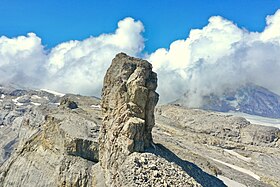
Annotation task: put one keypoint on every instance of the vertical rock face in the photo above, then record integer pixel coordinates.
(128, 102)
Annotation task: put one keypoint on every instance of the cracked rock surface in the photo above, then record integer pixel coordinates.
(128, 102)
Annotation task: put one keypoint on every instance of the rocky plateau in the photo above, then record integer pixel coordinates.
(49, 139)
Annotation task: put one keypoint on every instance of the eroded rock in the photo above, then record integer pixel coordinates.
(56, 148)
(128, 102)
(68, 103)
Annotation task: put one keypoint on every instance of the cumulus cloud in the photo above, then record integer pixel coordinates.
(73, 66)
(272, 30)
(79, 66)
(218, 57)
(212, 59)
(22, 59)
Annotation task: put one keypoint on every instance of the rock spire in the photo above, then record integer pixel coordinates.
(128, 102)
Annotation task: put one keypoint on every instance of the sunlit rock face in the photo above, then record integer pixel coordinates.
(128, 102)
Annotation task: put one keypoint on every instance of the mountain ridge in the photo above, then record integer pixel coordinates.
(250, 99)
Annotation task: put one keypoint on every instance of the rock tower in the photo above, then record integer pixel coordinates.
(128, 102)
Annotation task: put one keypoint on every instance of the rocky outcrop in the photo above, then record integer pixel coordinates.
(64, 146)
(225, 127)
(42, 144)
(66, 102)
(221, 144)
(56, 147)
(128, 102)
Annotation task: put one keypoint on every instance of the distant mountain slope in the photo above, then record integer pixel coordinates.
(250, 99)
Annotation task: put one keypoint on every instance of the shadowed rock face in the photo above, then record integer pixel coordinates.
(128, 102)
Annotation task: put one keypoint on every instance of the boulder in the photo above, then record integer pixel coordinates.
(68, 103)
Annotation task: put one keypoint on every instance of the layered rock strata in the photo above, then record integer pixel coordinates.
(128, 102)
(56, 147)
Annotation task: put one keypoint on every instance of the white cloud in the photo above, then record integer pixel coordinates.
(79, 66)
(73, 66)
(21, 59)
(217, 57)
(272, 30)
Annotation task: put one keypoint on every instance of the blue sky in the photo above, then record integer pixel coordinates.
(164, 20)
(197, 46)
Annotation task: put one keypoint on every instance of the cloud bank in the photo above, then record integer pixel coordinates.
(70, 67)
(212, 59)
(217, 57)
(22, 59)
